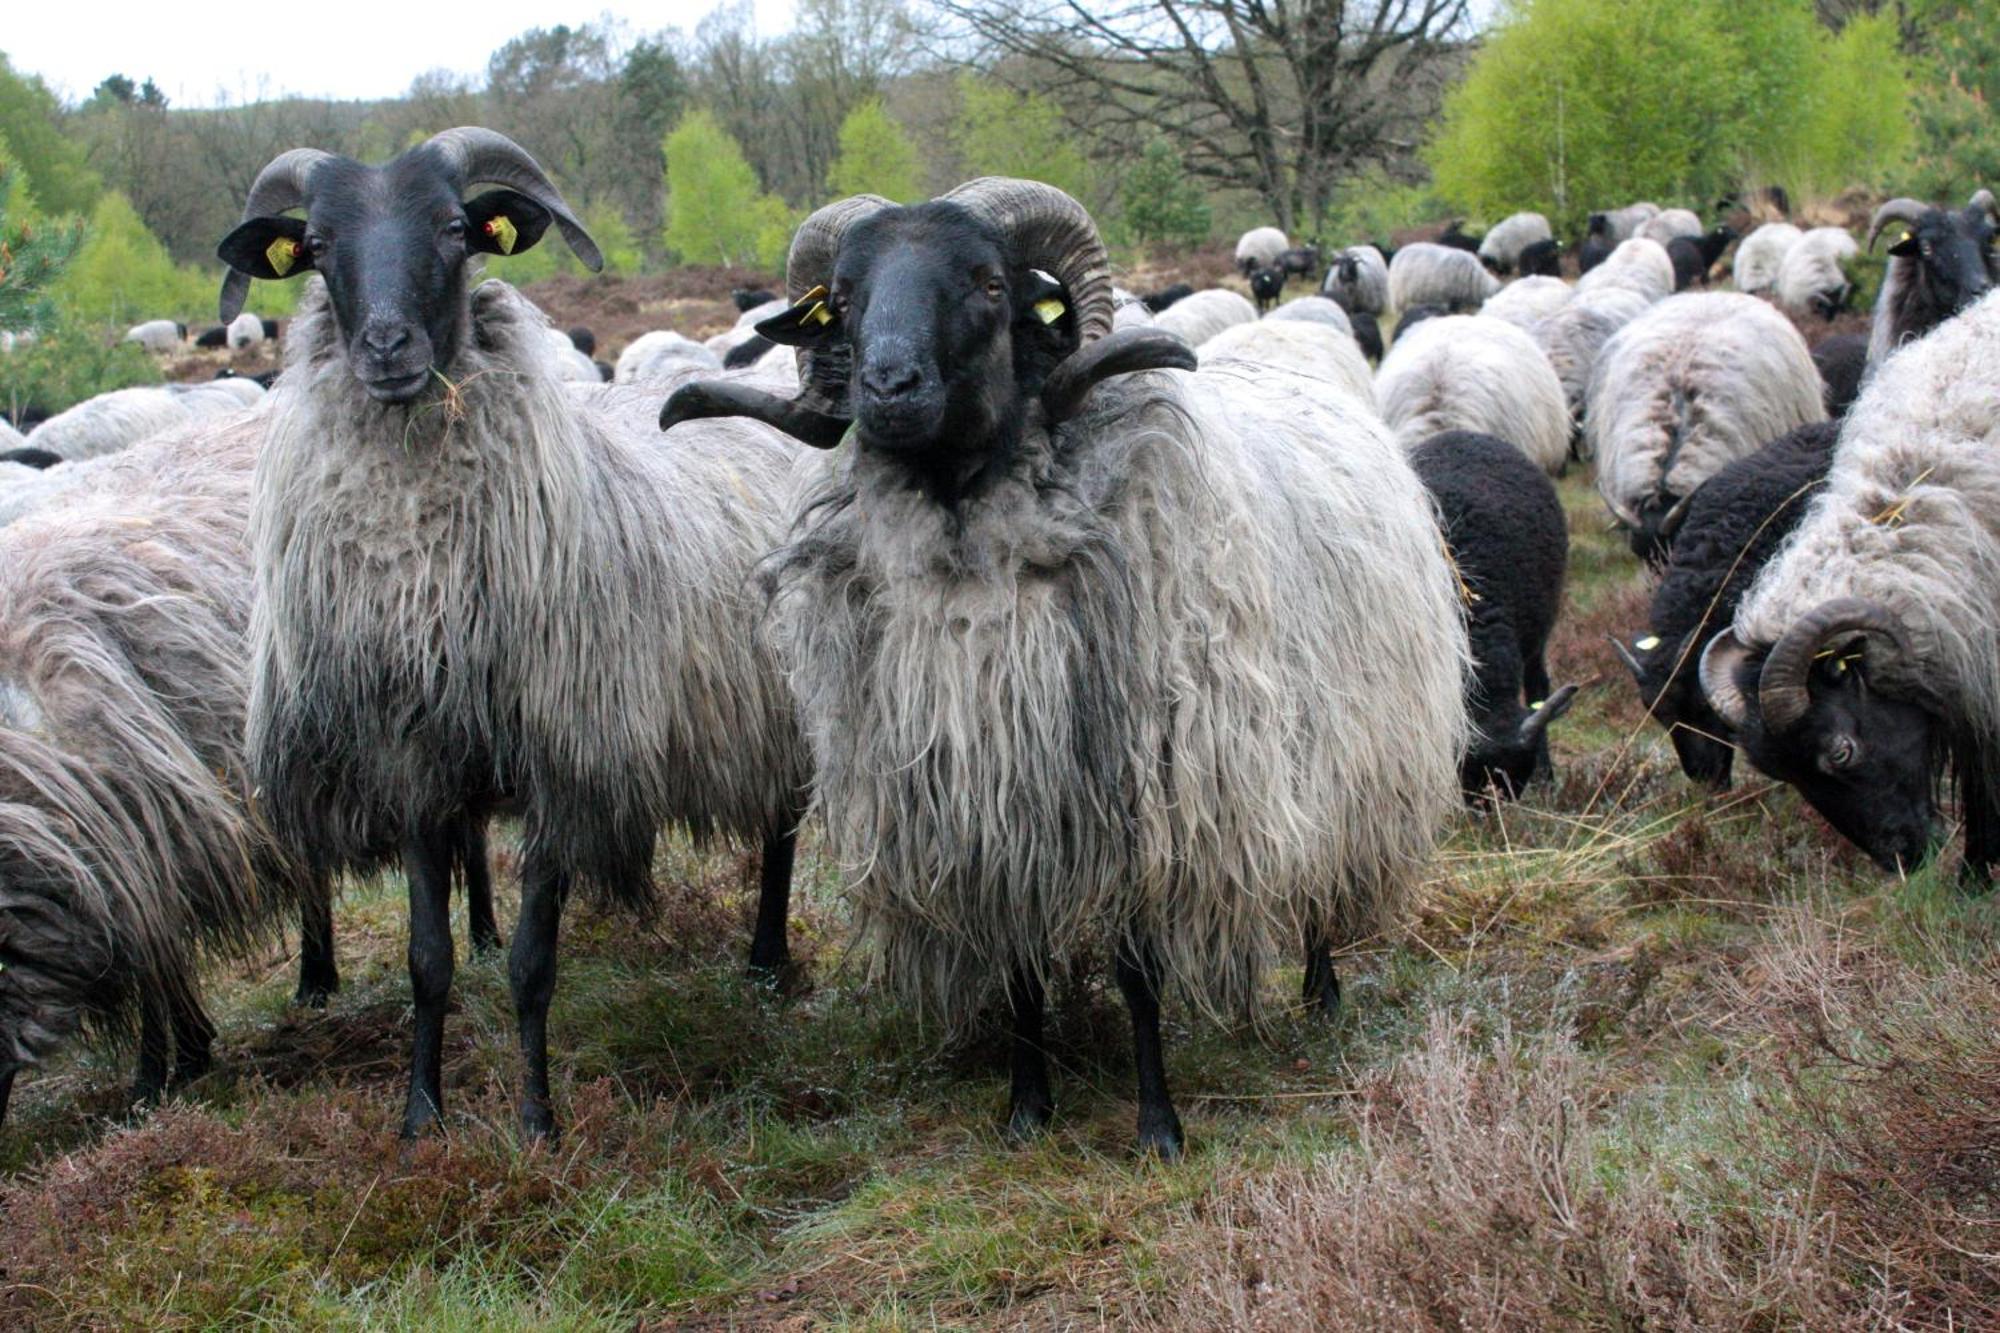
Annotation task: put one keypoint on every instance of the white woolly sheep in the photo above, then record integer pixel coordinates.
(158, 336)
(1439, 275)
(653, 358)
(245, 331)
(1197, 318)
(1503, 245)
(1622, 224)
(1574, 336)
(1761, 254)
(1358, 280)
(1260, 247)
(1474, 373)
(1811, 279)
(1316, 310)
(1699, 380)
(1637, 265)
(1526, 301)
(1665, 225)
(116, 420)
(1297, 345)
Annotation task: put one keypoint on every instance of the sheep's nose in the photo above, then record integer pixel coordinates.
(385, 340)
(897, 380)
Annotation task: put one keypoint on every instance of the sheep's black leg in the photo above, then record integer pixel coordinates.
(194, 1036)
(1139, 977)
(770, 950)
(1322, 983)
(427, 863)
(6, 1089)
(469, 851)
(1029, 1102)
(319, 978)
(155, 1049)
(1982, 825)
(532, 969)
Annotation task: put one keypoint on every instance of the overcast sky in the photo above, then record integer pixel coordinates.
(345, 49)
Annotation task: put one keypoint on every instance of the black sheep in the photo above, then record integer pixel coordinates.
(1459, 240)
(1303, 259)
(1842, 360)
(1730, 526)
(1165, 297)
(1510, 541)
(270, 327)
(1694, 256)
(1542, 259)
(1267, 285)
(1592, 251)
(215, 337)
(749, 298)
(1367, 333)
(1415, 315)
(583, 340)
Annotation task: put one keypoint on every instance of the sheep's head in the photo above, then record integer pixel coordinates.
(1808, 711)
(392, 242)
(934, 330)
(1947, 254)
(1267, 285)
(1665, 671)
(1511, 745)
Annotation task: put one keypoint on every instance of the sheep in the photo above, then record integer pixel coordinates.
(1842, 362)
(583, 340)
(1195, 319)
(1865, 659)
(158, 336)
(1573, 337)
(1761, 255)
(1638, 265)
(1367, 334)
(1358, 281)
(1454, 237)
(1509, 541)
(1001, 609)
(1693, 257)
(1622, 224)
(1296, 345)
(1692, 384)
(1811, 279)
(744, 330)
(1266, 286)
(1260, 247)
(1474, 373)
(1726, 531)
(115, 420)
(747, 299)
(1417, 314)
(1943, 264)
(478, 586)
(211, 339)
(653, 357)
(245, 331)
(1317, 310)
(1510, 236)
(1300, 261)
(570, 363)
(1527, 301)
(1592, 251)
(1669, 223)
(1542, 259)
(1423, 274)
(1155, 302)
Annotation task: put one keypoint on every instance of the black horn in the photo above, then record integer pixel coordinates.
(282, 185)
(1782, 695)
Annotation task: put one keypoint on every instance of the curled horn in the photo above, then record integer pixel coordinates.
(1781, 687)
(1551, 708)
(1983, 201)
(482, 156)
(281, 185)
(1720, 662)
(1047, 229)
(1902, 209)
(824, 371)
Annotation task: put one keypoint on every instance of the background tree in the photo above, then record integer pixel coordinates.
(875, 157)
(33, 251)
(1000, 132)
(1958, 147)
(715, 212)
(30, 122)
(1162, 203)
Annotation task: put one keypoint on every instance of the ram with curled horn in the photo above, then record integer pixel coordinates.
(1048, 711)
(1942, 264)
(1863, 666)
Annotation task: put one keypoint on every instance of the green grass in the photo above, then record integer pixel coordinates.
(736, 1157)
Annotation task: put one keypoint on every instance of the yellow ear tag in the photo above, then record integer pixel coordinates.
(1648, 644)
(281, 254)
(504, 233)
(816, 294)
(1050, 310)
(1536, 706)
(819, 314)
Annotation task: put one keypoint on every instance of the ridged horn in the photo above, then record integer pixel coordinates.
(1903, 209)
(479, 156)
(824, 372)
(1720, 662)
(1782, 695)
(1047, 229)
(280, 186)
(1983, 199)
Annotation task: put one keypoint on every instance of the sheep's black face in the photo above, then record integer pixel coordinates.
(1503, 766)
(1267, 285)
(1669, 685)
(1953, 257)
(1868, 763)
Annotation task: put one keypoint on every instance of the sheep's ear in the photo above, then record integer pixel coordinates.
(1907, 247)
(267, 248)
(1546, 712)
(810, 319)
(504, 222)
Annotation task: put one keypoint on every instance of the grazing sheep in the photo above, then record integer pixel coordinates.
(244, 332)
(1668, 224)
(1424, 274)
(1508, 538)
(1811, 279)
(1593, 251)
(1622, 224)
(1002, 610)
(1195, 319)
(1454, 237)
(1542, 259)
(212, 339)
(746, 299)
(1761, 255)
(1367, 334)
(1296, 345)
(480, 587)
(1510, 236)
(656, 357)
(1260, 247)
(1417, 314)
(1474, 373)
(158, 336)
(1358, 281)
(1694, 383)
(1728, 529)
(1638, 265)
(1301, 261)
(116, 420)
(1842, 362)
(1943, 264)
(1573, 337)
(1527, 301)
(1693, 257)
(1155, 302)
(1317, 310)
(1865, 660)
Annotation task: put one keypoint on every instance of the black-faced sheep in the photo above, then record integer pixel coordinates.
(1866, 657)
(1001, 611)
(1724, 535)
(1509, 540)
(1260, 247)
(1509, 237)
(1367, 333)
(482, 587)
(1474, 373)
(1542, 259)
(1842, 361)
(1358, 280)
(1693, 257)
(1943, 264)
(158, 336)
(1266, 286)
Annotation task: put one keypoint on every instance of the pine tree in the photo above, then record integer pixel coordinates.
(33, 252)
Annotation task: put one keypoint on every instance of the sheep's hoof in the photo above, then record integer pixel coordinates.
(1028, 1121)
(313, 996)
(420, 1119)
(1160, 1135)
(538, 1123)
(783, 977)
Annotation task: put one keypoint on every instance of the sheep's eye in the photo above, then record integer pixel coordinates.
(840, 301)
(316, 245)
(455, 228)
(995, 288)
(1842, 751)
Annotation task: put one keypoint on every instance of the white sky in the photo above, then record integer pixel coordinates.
(200, 54)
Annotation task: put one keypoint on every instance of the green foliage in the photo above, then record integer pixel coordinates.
(32, 252)
(68, 362)
(1958, 149)
(606, 225)
(1573, 104)
(1002, 133)
(123, 274)
(715, 212)
(1163, 204)
(876, 157)
(30, 124)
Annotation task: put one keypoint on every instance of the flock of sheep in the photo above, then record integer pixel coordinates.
(1071, 618)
